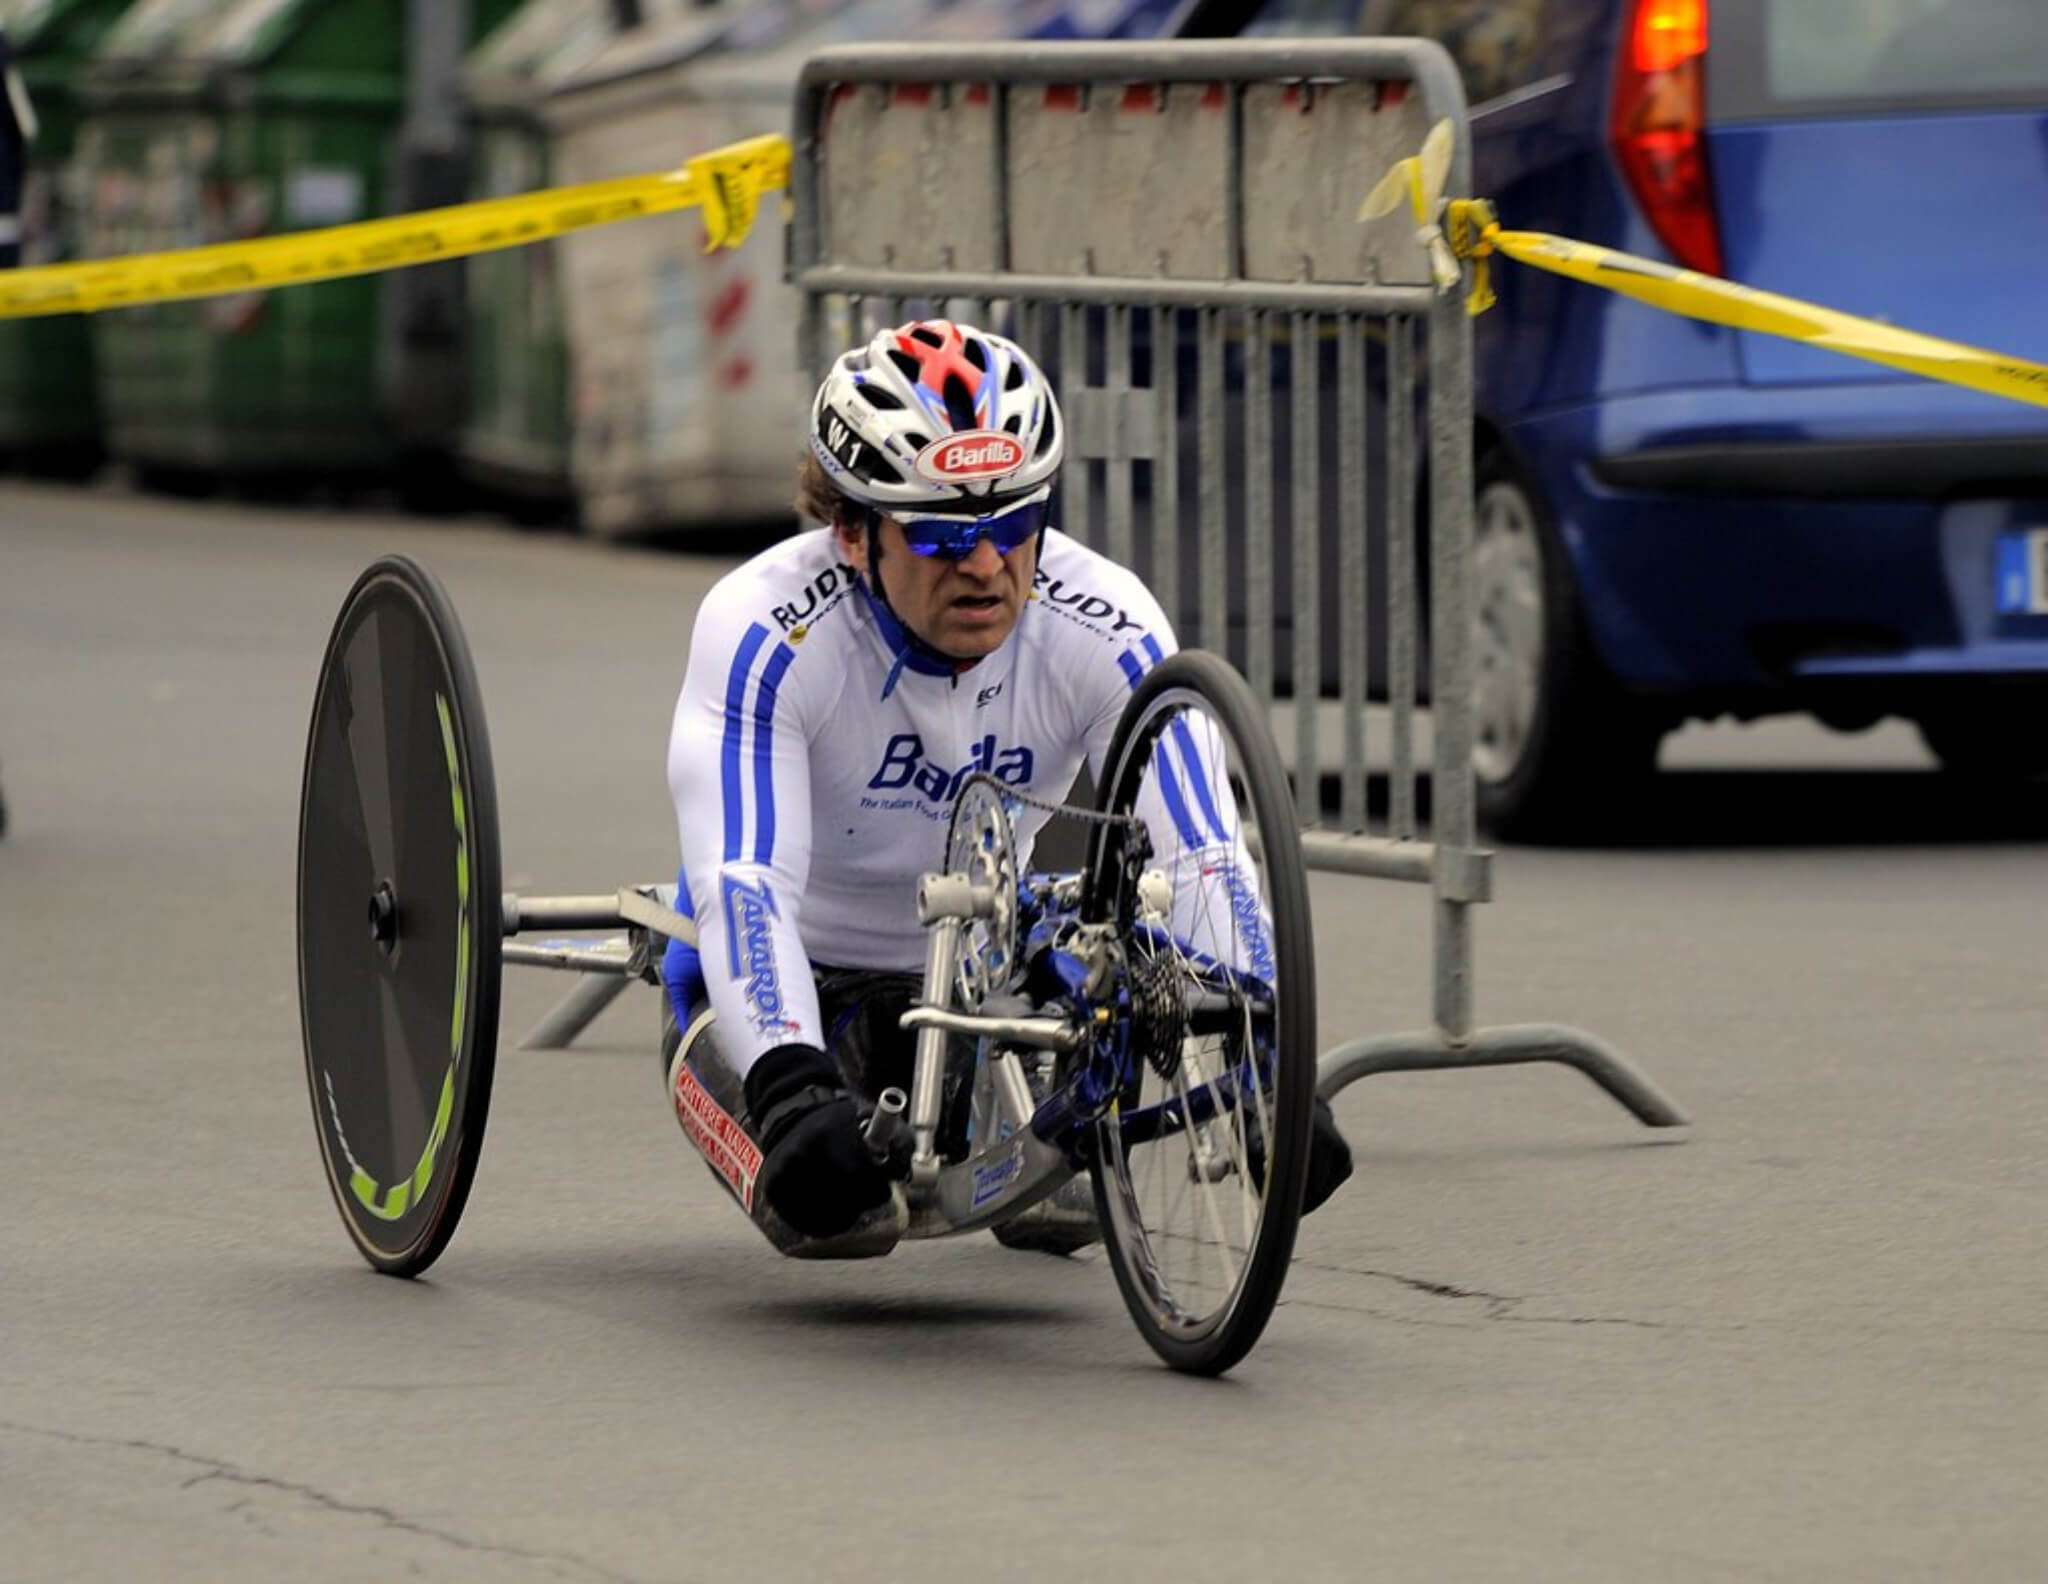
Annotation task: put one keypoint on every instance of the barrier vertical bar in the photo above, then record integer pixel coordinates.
(1450, 646)
(1258, 500)
(1403, 611)
(1305, 505)
(1116, 383)
(1215, 600)
(1166, 463)
(1075, 484)
(1353, 620)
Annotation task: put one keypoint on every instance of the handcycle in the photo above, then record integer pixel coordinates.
(1148, 1018)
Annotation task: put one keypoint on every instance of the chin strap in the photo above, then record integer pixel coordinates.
(911, 650)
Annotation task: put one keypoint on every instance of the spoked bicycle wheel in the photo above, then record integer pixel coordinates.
(1200, 1167)
(400, 924)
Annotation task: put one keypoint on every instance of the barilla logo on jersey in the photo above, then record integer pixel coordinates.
(978, 454)
(750, 950)
(904, 765)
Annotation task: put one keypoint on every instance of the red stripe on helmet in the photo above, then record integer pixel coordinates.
(936, 363)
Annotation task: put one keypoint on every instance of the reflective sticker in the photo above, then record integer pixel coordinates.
(992, 1179)
(719, 1139)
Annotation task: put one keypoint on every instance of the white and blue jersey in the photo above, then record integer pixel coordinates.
(815, 757)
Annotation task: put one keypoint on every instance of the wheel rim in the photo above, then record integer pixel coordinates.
(1186, 1203)
(398, 901)
(1507, 628)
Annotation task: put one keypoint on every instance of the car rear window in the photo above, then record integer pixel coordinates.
(1794, 56)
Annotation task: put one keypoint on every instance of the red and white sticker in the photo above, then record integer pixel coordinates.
(719, 1139)
(977, 454)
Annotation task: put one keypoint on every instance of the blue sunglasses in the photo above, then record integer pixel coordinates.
(955, 538)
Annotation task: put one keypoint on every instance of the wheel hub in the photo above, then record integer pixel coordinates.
(384, 917)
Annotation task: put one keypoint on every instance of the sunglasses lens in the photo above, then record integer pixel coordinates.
(956, 537)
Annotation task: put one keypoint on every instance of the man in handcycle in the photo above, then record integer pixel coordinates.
(841, 687)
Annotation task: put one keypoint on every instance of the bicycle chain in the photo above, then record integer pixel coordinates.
(1057, 810)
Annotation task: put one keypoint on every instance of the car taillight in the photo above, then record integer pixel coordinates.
(1659, 126)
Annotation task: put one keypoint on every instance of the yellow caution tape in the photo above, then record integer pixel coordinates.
(1470, 229)
(726, 184)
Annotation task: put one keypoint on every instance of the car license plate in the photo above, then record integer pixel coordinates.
(2023, 573)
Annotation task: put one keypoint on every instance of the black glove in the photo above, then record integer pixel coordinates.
(816, 1168)
(1329, 1157)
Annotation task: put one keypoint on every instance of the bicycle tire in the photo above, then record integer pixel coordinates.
(400, 923)
(1210, 1342)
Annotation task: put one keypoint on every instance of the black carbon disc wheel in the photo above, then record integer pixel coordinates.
(399, 916)
(1200, 1169)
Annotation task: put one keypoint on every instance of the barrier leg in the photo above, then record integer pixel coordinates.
(1506, 1046)
(574, 1012)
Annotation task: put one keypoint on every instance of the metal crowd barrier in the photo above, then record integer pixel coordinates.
(1171, 229)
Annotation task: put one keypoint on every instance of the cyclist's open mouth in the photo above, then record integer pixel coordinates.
(978, 607)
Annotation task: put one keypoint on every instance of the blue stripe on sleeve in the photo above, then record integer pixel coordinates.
(729, 752)
(1185, 741)
(1204, 793)
(1169, 784)
(764, 737)
(1176, 805)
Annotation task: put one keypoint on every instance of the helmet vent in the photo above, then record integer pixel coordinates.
(1049, 434)
(917, 442)
(1014, 423)
(928, 336)
(959, 402)
(977, 354)
(906, 365)
(875, 396)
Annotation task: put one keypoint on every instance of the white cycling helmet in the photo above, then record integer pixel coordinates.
(937, 417)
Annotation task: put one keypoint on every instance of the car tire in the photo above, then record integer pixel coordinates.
(1987, 743)
(1559, 751)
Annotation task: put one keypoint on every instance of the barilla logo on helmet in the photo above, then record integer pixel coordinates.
(977, 454)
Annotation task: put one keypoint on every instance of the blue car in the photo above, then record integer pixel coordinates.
(1679, 521)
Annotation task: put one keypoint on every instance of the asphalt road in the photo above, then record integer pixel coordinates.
(1532, 1341)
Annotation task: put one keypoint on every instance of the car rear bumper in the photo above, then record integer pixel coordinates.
(1936, 469)
(1752, 550)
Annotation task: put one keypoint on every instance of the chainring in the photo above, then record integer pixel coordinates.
(981, 843)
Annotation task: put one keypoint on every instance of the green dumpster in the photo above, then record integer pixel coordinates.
(515, 434)
(48, 421)
(214, 122)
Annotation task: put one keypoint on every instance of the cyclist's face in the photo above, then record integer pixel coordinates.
(963, 608)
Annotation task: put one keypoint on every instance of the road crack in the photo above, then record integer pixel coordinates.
(1504, 1307)
(215, 1470)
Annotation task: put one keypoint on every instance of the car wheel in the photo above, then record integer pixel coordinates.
(1557, 747)
(1988, 743)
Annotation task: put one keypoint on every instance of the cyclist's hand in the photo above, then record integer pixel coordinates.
(816, 1168)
